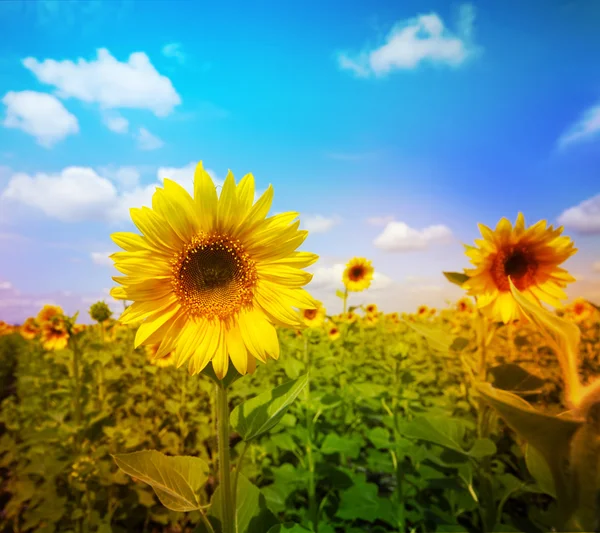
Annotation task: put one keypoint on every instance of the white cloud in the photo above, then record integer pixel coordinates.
(77, 193)
(174, 51)
(5, 285)
(380, 221)
(585, 129)
(319, 223)
(584, 217)
(41, 115)
(147, 141)
(127, 177)
(116, 123)
(399, 237)
(111, 83)
(101, 258)
(413, 41)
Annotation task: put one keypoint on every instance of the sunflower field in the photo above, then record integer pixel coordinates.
(226, 399)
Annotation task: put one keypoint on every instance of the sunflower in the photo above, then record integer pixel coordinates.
(54, 334)
(371, 309)
(394, 318)
(423, 310)
(527, 256)
(350, 317)
(6, 329)
(48, 312)
(432, 311)
(358, 274)
(580, 310)
(371, 320)
(464, 306)
(313, 318)
(165, 360)
(333, 333)
(30, 329)
(211, 276)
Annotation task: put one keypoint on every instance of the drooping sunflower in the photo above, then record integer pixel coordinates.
(313, 318)
(358, 274)
(527, 256)
(30, 329)
(54, 334)
(210, 276)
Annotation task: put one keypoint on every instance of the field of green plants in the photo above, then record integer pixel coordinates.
(380, 425)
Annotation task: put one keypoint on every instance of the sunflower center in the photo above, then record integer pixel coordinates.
(356, 273)
(214, 277)
(517, 264)
(309, 314)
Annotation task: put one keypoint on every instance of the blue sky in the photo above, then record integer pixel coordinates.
(411, 120)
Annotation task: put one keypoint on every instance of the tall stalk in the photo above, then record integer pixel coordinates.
(227, 510)
(313, 511)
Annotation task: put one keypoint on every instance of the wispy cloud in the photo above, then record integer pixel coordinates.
(587, 128)
(319, 223)
(146, 141)
(415, 41)
(174, 51)
(584, 218)
(380, 220)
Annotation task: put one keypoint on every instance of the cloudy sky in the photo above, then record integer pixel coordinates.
(392, 127)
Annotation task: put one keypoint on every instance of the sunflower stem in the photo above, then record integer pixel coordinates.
(345, 299)
(228, 514)
(313, 511)
(76, 377)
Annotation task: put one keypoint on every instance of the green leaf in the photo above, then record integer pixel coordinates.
(437, 338)
(440, 430)
(459, 344)
(539, 470)
(289, 527)
(251, 506)
(550, 435)
(458, 278)
(562, 336)
(258, 415)
(176, 480)
(231, 377)
(333, 443)
(340, 294)
(512, 377)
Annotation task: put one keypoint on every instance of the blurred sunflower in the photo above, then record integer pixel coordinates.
(432, 311)
(313, 318)
(6, 329)
(333, 333)
(358, 274)
(211, 276)
(371, 309)
(423, 310)
(371, 320)
(528, 256)
(48, 312)
(394, 317)
(165, 360)
(54, 334)
(350, 317)
(30, 329)
(78, 328)
(464, 305)
(580, 310)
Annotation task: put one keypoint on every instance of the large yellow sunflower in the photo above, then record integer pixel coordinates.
(527, 256)
(210, 276)
(358, 274)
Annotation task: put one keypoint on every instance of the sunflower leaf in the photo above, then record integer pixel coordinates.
(176, 480)
(458, 278)
(260, 414)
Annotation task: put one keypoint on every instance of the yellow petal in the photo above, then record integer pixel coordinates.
(205, 197)
(237, 350)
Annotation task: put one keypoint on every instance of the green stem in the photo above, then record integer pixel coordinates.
(345, 299)
(313, 511)
(77, 395)
(206, 522)
(227, 509)
(238, 467)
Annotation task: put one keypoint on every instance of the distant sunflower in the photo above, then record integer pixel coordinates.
(528, 256)
(358, 274)
(371, 319)
(333, 333)
(432, 311)
(6, 329)
(464, 305)
(165, 360)
(423, 310)
(371, 309)
(48, 312)
(394, 317)
(580, 310)
(350, 317)
(313, 318)
(212, 276)
(30, 329)
(54, 334)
